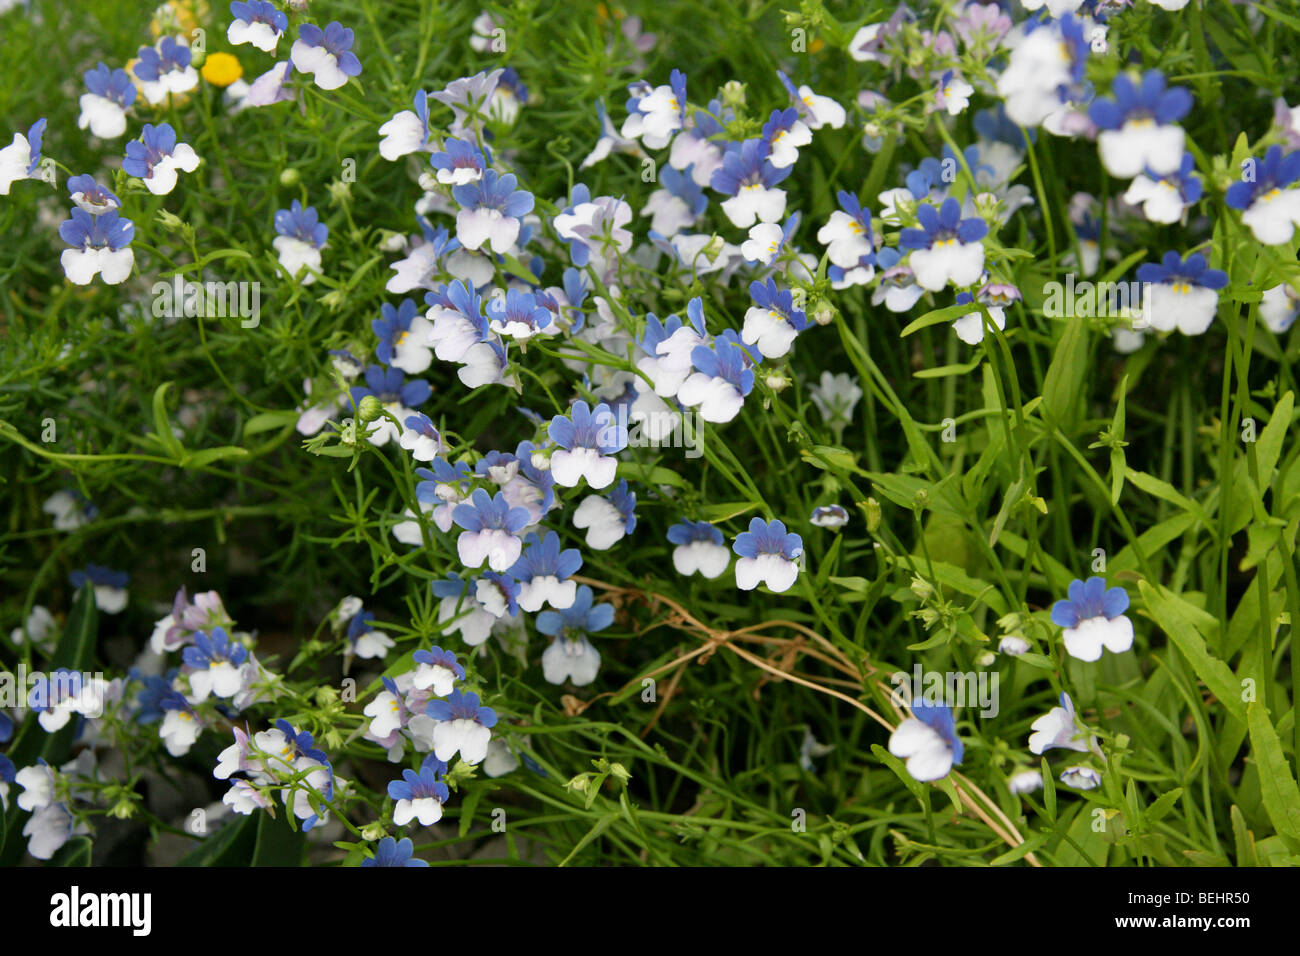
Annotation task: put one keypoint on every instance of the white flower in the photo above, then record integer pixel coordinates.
(1081, 778)
(929, 756)
(298, 256)
(576, 660)
(776, 572)
(604, 523)
(179, 730)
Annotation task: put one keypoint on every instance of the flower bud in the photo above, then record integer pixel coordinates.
(369, 408)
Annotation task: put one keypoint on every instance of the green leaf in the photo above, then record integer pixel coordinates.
(162, 428)
(728, 509)
(277, 843)
(1063, 384)
(76, 852)
(949, 313)
(201, 458)
(268, 421)
(1276, 785)
(232, 845)
(1171, 614)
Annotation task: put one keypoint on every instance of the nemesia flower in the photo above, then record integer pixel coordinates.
(460, 611)
(772, 322)
(300, 241)
(463, 726)
(397, 396)
(953, 94)
(110, 586)
(215, 662)
(468, 98)
(104, 108)
(816, 111)
(1164, 199)
(366, 641)
(491, 212)
(699, 548)
(1058, 728)
(571, 656)
(436, 670)
(607, 520)
(1267, 196)
(1081, 778)
(90, 196)
(22, 158)
(768, 555)
(419, 796)
(970, 327)
(1025, 781)
(491, 528)
(165, 70)
(1183, 293)
(257, 22)
(407, 132)
(325, 54)
(1279, 307)
(1139, 130)
(157, 156)
(749, 178)
(829, 516)
(392, 852)
(946, 248)
(421, 438)
(588, 440)
(720, 382)
(1093, 618)
(520, 316)
(403, 337)
(458, 162)
(785, 132)
(655, 114)
(928, 741)
(543, 572)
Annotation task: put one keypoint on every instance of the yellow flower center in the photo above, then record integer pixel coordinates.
(222, 69)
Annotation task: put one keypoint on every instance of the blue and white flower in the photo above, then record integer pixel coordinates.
(491, 531)
(459, 610)
(1164, 199)
(785, 132)
(768, 555)
(772, 322)
(655, 114)
(365, 640)
(21, 159)
(946, 248)
(588, 440)
(419, 796)
(1269, 200)
(408, 132)
(215, 663)
(90, 196)
(403, 337)
(1093, 618)
(392, 852)
(748, 176)
(699, 548)
(492, 211)
(607, 520)
(571, 656)
(165, 69)
(1059, 728)
(544, 571)
(928, 741)
(1139, 128)
(325, 54)
(421, 438)
(519, 315)
(436, 670)
(463, 726)
(1182, 293)
(110, 586)
(101, 245)
(301, 237)
(720, 382)
(397, 396)
(157, 156)
(829, 516)
(104, 108)
(459, 162)
(257, 22)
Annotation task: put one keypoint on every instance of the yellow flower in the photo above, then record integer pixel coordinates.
(222, 69)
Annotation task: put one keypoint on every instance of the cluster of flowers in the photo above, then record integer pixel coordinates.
(480, 271)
